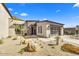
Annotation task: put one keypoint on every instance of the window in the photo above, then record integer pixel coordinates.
(40, 29)
(54, 30)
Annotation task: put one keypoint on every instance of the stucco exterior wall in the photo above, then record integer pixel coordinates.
(11, 31)
(45, 31)
(4, 22)
(48, 30)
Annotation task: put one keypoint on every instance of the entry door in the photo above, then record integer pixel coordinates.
(33, 30)
(59, 32)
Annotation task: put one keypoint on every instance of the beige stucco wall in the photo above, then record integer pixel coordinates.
(11, 31)
(45, 31)
(48, 30)
(62, 30)
(4, 22)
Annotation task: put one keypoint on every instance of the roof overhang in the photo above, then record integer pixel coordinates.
(7, 10)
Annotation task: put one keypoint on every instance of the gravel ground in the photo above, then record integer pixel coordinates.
(12, 47)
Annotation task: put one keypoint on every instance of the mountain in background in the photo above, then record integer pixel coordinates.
(16, 18)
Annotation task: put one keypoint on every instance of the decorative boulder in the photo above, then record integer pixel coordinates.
(70, 48)
(31, 48)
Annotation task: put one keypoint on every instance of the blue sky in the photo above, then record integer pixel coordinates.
(66, 13)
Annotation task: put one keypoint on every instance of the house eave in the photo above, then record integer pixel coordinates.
(7, 10)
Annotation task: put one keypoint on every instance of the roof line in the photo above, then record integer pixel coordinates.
(52, 22)
(7, 10)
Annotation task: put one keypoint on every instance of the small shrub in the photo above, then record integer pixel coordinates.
(24, 42)
(1, 42)
(53, 47)
(21, 51)
(41, 46)
(48, 55)
(50, 44)
(9, 36)
(14, 38)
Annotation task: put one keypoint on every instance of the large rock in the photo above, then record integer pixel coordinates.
(70, 48)
(31, 48)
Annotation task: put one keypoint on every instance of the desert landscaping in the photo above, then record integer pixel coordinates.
(38, 37)
(17, 45)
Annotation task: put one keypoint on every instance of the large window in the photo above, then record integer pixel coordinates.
(40, 29)
(54, 30)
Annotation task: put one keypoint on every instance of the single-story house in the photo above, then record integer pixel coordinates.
(6, 22)
(72, 30)
(69, 31)
(44, 28)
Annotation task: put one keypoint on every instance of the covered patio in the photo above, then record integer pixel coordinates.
(19, 27)
(56, 30)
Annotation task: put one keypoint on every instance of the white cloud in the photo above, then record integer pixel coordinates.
(10, 9)
(23, 14)
(58, 10)
(15, 12)
(45, 19)
(76, 5)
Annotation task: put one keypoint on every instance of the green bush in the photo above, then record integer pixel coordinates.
(1, 42)
(22, 50)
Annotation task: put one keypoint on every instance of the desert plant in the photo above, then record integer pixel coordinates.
(9, 36)
(53, 47)
(48, 55)
(24, 42)
(21, 51)
(14, 38)
(50, 44)
(41, 46)
(1, 42)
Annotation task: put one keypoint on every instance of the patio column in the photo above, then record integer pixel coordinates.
(62, 30)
